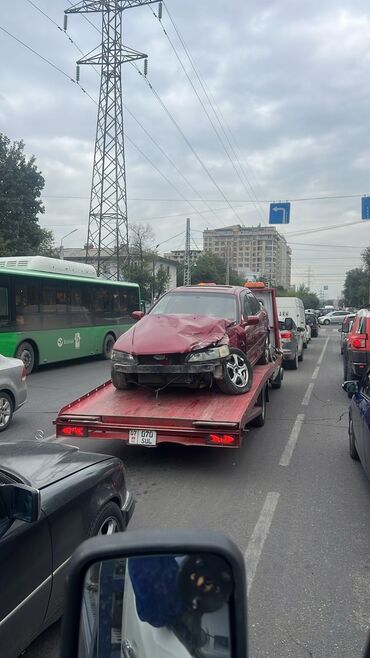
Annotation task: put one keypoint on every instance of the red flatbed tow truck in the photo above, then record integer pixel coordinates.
(204, 417)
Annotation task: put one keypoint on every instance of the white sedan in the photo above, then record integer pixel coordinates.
(13, 389)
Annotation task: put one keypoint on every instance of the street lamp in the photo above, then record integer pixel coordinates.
(61, 256)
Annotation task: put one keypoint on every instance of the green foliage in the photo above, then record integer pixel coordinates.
(310, 299)
(356, 287)
(20, 203)
(153, 281)
(209, 268)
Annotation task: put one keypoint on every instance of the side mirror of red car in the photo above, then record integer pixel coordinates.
(137, 315)
(252, 320)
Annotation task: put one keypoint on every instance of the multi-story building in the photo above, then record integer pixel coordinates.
(252, 250)
(179, 255)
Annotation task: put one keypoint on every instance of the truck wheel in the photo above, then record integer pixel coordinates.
(352, 441)
(108, 521)
(276, 383)
(119, 381)
(237, 374)
(259, 421)
(6, 410)
(26, 353)
(108, 343)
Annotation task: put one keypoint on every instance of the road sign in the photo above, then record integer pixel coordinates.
(365, 207)
(279, 213)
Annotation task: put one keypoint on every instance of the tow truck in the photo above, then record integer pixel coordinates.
(206, 417)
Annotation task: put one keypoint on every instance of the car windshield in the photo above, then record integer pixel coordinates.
(216, 305)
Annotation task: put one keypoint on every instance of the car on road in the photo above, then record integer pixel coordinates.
(359, 420)
(192, 336)
(312, 322)
(52, 497)
(306, 335)
(13, 389)
(291, 343)
(334, 317)
(356, 349)
(345, 329)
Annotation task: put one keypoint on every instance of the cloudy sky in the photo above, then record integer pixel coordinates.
(290, 80)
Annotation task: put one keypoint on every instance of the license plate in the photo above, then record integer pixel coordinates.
(142, 437)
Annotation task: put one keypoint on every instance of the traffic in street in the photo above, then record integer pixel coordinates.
(291, 498)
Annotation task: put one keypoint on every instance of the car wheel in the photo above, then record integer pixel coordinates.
(26, 353)
(108, 346)
(276, 383)
(6, 410)
(300, 358)
(237, 374)
(326, 321)
(108, 521)
(293, 363)
(352, 441)
(259, 421)
(345, 369)
(119, 381)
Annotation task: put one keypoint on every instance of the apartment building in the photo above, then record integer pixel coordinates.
(253, 251)
(179, 255)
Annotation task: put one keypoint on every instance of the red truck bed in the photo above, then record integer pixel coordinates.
(190, 417)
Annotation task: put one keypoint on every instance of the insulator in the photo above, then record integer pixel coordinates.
(65, 24)
(146, 66)
(78, 73)
(160, 7)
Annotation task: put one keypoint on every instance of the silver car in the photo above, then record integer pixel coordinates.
(13, 389)
(292, 339)
(334, 317)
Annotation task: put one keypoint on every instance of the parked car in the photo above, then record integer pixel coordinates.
(306, 335)
(52, 497)
(359, 420)
(334, 317)
(356, 349)
(345, 329)
(13, 389)
(312, 321)
(291, 343)
(192, 336)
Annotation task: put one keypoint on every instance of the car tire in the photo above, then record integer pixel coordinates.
(352, 441)
(236, 368)
(120, 381)
(108, 521)
(326, 322)
(345, 369)
(260, 420)
(6, 410)
(26, 353)
(108, 343)
(300, 358)
(293, 363)
(277, 382)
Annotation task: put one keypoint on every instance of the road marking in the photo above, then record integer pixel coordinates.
(315, 372)
(307, 394)
(319, 361)
(259, 535)
(289, 448)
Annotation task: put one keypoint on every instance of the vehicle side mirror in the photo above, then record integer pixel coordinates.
(252, 320)
(142, 306)
(351, 387)
(21, 502)
(184, 592)
(288, 324)
(137, 315)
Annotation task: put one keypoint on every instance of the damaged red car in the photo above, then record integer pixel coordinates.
(192, 337)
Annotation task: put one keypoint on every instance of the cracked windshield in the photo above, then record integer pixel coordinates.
(185, 328)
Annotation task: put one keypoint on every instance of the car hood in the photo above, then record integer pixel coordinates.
(170, 334)
(40, 464)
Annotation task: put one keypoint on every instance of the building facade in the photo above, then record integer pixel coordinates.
(179, 255)
(252, 251)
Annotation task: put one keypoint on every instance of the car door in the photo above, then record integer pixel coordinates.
(363, 436)
(249, 330)
(25, 580)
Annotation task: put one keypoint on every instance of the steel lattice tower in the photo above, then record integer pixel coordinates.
(107, 238)
(187, 265)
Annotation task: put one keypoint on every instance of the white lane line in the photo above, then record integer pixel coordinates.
(315, 372)
(259, 535)
(289, 448)
(319, 361)
(307, 395)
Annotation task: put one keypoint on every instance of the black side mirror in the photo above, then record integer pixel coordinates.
(288, 324)
(21, 502)
(351, 387)
(184, 591)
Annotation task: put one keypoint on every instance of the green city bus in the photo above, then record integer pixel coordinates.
(50, 316)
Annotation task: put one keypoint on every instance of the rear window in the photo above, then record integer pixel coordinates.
(198, 303)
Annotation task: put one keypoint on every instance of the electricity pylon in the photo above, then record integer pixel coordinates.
(107, 238)
(187, 266)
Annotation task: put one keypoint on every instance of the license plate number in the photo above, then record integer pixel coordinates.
(142, 437)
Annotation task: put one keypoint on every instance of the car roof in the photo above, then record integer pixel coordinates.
(211, 288)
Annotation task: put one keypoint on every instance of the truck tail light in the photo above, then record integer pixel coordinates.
(73, 430)
(24, 374)
(287, 335)
(359, 342)
(221, 439)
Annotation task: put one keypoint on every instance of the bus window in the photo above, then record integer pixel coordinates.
(103, 304)
(80, 306)
(27, 306)
(4, 306)
(54, 306)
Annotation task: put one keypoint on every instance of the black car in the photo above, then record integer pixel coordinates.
(52, 497)
(312, 321)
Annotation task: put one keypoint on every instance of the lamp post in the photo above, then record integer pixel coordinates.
(61, 255)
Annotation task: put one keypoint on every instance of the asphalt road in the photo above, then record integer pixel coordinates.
(291, 498)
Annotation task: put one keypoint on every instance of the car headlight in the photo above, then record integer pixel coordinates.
(209, 355)
(122, 357)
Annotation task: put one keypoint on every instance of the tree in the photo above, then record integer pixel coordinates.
(20, 203)
(208, 268)
(309, 298)
(144, 270)
(356, 287)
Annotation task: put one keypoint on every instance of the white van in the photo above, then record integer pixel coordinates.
(292, 307)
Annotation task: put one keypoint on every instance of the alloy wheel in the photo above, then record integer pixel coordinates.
(109, 526)
(237, 370)
(5, 412)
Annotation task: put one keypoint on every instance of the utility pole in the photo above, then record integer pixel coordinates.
(108, 221)
(227, 265)
(187, 269)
